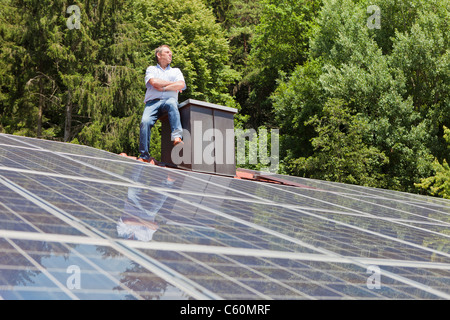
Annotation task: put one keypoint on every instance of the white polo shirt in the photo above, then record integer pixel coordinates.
(169, 74)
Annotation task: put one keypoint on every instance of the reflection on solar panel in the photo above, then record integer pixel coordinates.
(81, 223)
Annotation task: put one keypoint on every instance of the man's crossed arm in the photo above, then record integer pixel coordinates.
(164, 85)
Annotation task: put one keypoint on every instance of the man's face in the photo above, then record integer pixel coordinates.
(165, 56)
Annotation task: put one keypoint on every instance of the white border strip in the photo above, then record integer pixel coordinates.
(44, 271)
(231, 251)
(161, 270)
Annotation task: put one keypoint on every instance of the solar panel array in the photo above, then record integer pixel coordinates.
(82, 223)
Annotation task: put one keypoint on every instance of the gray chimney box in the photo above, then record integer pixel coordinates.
(209, 144)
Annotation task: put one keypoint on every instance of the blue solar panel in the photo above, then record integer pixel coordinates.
(81, 223)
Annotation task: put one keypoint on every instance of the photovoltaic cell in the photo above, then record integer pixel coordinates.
(42, 273)
(81, 223)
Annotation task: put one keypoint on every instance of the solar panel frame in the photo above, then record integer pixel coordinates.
(219, 238)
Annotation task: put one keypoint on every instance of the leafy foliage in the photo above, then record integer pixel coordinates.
(342, 152)
(376, 74)
(353, 103)
(280, 42)
(86, 85)
(439, 183)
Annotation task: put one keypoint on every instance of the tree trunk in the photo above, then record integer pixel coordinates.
(41, 108)
(68, 124)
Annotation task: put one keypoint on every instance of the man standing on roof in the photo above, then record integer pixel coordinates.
(163, 84)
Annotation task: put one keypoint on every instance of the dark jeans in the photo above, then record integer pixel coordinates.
(153, 110)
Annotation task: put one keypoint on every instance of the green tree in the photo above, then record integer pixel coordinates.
(239, 19)
(370, 70)
(298, 98)
(439, 183)
(105, 94)
(11, 57)
(421, 56)
(69, 80)
(85, 84)
(199, 45)
(280, 42)
(31, 81)
(342, 153)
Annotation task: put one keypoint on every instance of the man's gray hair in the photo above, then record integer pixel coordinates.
(159, 50)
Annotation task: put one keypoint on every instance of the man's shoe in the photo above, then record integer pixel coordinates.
(177, 141)
(151, 160)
